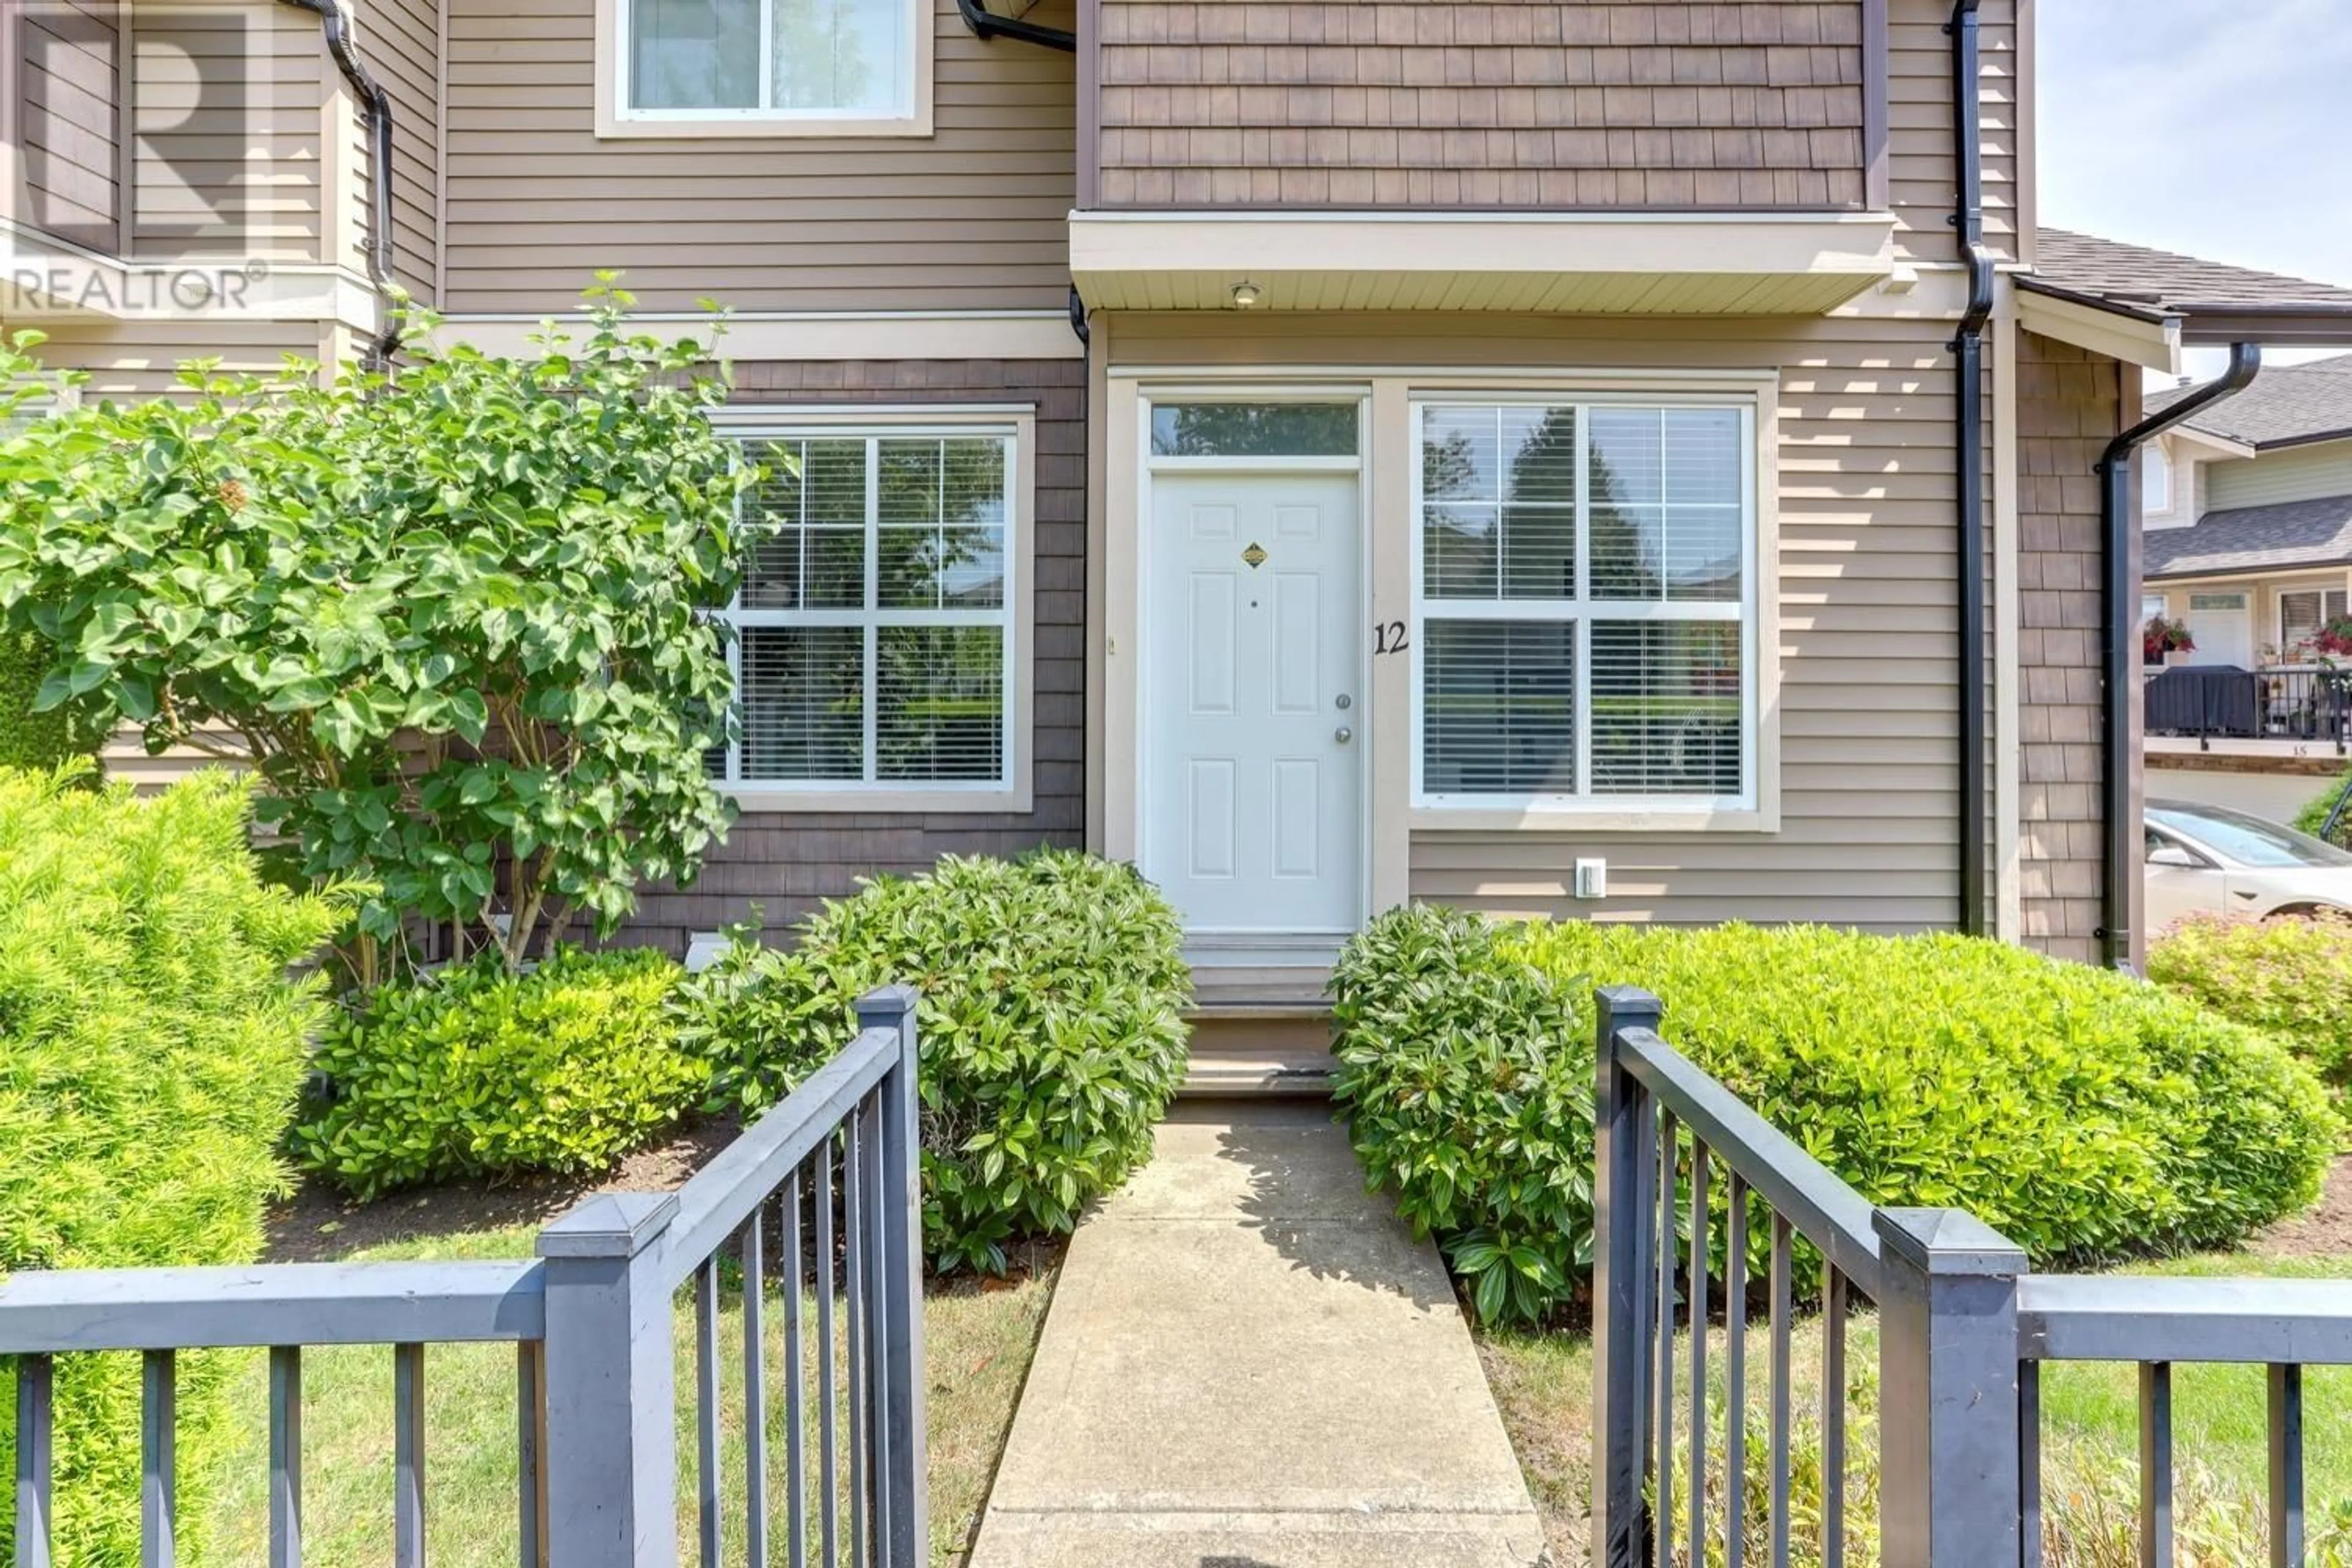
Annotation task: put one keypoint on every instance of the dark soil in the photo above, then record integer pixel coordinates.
(2324, 1232)
(322, 1224)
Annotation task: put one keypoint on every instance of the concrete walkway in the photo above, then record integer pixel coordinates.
(1250, 1364)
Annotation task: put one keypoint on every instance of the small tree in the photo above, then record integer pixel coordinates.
(456, 623)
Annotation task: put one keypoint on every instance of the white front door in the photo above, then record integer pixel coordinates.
(1252, 715)
(2223, 627)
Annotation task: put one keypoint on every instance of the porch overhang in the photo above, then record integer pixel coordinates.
(1650, 264)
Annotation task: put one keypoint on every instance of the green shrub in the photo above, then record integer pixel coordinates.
(476, 1072)
(2314, 813)
(2291, 979)
(2088, 1116)
(40, 740)
(151, 1050)
(1050, 1028)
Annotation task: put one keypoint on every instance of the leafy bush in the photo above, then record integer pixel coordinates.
(151, 1050)
(40, 740)
(473, 1071)
(1467, 1076)
(456, 625)
(1050, 1029)
(2313, 815)
(2088, 1116)
(2291, 979)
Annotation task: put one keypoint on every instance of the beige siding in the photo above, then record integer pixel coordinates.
(779, 865)
(1923, 168)
(2290, 474)
(1865, 638)
(228, 104)
(972, 218)
(1607, 103)
(66, 85)
(403, 46)
(2068, 407)
(142, 359)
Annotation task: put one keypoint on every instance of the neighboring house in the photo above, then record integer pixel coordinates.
(1499, 453)
(2248, 516)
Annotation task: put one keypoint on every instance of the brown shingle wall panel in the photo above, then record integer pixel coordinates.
(2069, 405)
(1634, 89)
(784, 863)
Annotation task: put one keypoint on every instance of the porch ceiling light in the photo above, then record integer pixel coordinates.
(1246, 295)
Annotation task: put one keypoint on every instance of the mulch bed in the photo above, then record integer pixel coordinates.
(322, 1224)
(2324, 1232)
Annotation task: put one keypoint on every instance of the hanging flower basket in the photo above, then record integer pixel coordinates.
(2333, 640)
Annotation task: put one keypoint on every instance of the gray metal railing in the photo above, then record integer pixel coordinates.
(593, 1321)
(1963, 1329)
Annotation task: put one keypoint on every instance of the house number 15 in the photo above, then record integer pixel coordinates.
(1388, 636)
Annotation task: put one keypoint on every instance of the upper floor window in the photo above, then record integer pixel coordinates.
(2155, 479)
(758, 67)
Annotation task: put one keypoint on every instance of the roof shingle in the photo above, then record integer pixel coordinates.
(2255, 538)
(2286, 404)
(2163, 281)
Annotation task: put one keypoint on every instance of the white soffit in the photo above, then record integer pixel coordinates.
(2153, 345)
(1555, 263)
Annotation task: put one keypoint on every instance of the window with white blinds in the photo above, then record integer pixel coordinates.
(1584, 597)
(873, 630)
(2302, 613)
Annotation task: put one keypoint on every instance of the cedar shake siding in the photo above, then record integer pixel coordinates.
(973, 216)
(65, 60)
(785, 862)
(1767, 103)
(2069, 407)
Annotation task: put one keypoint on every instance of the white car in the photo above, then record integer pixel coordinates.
(2209, 858)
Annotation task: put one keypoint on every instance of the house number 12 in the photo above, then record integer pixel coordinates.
(1388, 636)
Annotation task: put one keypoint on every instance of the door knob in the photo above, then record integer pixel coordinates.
(1343, 734)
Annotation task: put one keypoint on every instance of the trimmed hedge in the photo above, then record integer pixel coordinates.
(472, 1071)
(2290, 978)
(150, 1051)
(2088, 1116)
(1053, 991)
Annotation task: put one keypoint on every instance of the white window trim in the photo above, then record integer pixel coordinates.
(1017, 794)
(615, 120)
(2278, 610)
(1756, 809)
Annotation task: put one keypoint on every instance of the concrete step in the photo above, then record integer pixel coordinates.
(1266, 1049)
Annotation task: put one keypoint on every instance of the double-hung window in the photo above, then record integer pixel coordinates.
(846, 67)
(878, 625)
(1585, 590)
(2303, 614)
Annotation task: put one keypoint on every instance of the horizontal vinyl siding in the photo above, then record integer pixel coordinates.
(780, 866)
(68, 88)
(237, 172)
(973, 216)
(142, 359)
(2295, 473)
(403, 48)
(1868, 680)
(1922, 173)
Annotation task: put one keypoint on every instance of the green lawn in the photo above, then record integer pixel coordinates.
(2090, 1422)
(978, 1343)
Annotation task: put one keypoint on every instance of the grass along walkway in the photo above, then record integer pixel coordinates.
(1543, 1384)
(978, 1340)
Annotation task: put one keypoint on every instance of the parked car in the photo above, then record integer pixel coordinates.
(2209, 858)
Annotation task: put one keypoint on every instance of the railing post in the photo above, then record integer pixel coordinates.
(1948, 1442)
(611, 1389)
(1624, 1189)
(899, 1465)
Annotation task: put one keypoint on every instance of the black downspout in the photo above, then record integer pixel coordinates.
(1968, 225)
(377, 106)
(2121, 644)
(986, 23)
